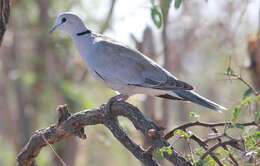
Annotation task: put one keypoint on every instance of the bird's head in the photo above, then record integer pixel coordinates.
(70, 23)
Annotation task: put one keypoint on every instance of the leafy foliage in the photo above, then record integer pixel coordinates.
(186, 135)
(194, 116)
(177, 4)
(247, 93)
(156, 17)
(159, 153)
(245, 103)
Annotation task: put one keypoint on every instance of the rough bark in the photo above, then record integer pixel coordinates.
(73, 125)
(4, 17)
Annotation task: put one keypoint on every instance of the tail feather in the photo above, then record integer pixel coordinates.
(196, 98)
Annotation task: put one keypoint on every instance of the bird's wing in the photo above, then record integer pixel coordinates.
(120, 64)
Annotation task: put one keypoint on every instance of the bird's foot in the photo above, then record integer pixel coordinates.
(120, 97)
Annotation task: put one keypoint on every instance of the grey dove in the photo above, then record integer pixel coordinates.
(123, 69)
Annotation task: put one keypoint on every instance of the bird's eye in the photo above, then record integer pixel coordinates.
(63, 20)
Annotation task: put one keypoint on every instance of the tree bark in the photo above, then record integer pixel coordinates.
(4, 17)
(73, 125)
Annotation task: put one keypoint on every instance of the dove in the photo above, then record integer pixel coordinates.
(123, 69)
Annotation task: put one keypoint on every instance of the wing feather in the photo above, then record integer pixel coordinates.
(120, 64)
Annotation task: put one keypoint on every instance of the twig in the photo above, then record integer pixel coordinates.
(61, 160)
(240, 78)
(214, 138)
(191, 152)
(203, 144)
(230, 142)
(208, 125)
(224, 146)
(205, 147)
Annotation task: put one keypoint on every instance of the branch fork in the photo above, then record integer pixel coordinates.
(69, 125)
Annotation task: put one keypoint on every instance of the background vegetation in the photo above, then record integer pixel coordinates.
(198, 41)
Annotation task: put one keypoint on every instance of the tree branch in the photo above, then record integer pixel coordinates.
(73, 125)
(209, 125)
(108, 18)
(4, 17)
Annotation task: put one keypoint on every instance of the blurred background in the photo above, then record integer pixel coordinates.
(38, 71)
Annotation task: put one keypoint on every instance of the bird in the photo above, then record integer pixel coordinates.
(124, 69)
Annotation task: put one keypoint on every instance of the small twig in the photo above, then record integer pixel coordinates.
(205, 147)
(199, 141)
(214, 138)
(56, 154)
(256, 144)
(190, 149)
(210, 125)
(230, 142)
(240, 78)
(224, 146)
(248, 85)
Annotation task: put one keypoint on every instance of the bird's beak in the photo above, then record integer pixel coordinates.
(54, 28)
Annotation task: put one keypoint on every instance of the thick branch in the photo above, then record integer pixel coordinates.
(73, 125)
(4, 17)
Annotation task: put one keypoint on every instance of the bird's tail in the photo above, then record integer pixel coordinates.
(196, 98)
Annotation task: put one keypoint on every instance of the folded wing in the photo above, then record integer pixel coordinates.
(120, 64)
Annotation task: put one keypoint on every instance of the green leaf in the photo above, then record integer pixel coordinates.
(250, 141)
(231, 72)
(239, 126)
(245, 103)
(194, 116)
(199, 152)
(166, 149)
(182, 133)
(221, 151)
(199, 163)
(257, 134)
(177, 4)
(210, 160)
(235, 114)
(247, 93)
(156, 17)
(257, 115)
(254, 148)
(158, 154)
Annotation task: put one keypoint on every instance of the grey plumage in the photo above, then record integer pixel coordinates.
(124, 69)
(196, 98)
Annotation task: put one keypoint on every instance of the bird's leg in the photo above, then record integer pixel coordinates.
(120, 97)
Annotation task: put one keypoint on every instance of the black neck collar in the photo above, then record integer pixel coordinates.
(84, 32)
